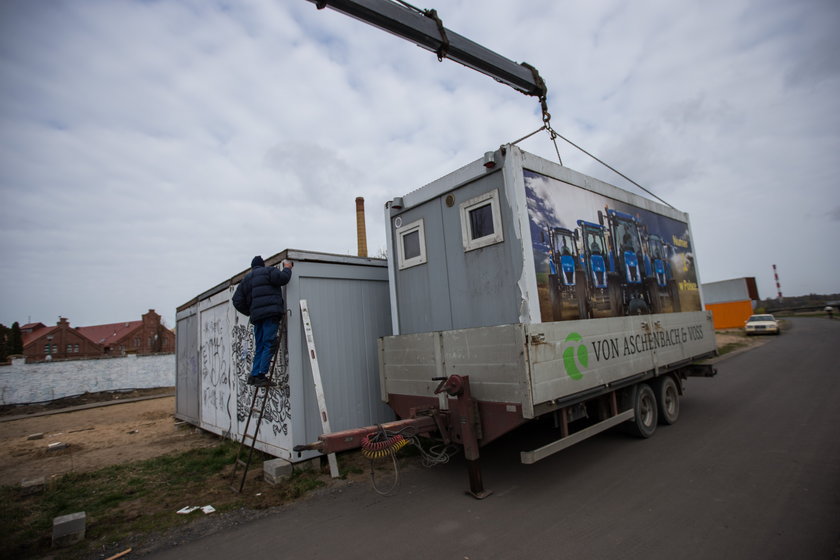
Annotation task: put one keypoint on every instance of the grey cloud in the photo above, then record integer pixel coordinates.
(321, 176)
(188, 136)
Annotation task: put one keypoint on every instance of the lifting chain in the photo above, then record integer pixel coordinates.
(542, 95)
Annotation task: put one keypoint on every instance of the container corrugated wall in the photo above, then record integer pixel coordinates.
(348, 315)
(186, 364)
(349, 308)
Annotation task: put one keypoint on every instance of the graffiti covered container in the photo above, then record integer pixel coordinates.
(348, 305)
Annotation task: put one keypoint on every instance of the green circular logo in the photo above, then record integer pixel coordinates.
(578, 351)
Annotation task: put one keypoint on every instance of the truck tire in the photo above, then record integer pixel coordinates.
(645, 415)
(667, 400)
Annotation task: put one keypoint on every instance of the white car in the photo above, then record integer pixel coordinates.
(762, 324)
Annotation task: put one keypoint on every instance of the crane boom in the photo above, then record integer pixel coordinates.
(425, 30)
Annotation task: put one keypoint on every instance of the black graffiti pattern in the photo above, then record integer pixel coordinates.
(278, 409)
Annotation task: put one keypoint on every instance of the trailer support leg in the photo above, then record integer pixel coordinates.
(477, 490)
(466, 418)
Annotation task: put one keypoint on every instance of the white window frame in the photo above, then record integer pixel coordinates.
(497, 236)
(407, 229)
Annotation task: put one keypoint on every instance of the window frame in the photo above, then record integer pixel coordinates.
(474, 203)
(401, 233)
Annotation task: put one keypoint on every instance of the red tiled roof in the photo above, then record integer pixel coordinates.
(37, 333)
(108, 334)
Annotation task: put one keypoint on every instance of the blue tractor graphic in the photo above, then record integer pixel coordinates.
(599, 269)
(662, 286)
(566, 284)
(629, 290)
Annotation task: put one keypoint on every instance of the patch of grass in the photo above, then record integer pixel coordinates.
(731, 347)
(106, 496)
(301, 482)
(125, 501)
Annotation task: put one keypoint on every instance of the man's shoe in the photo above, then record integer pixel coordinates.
(263, 381)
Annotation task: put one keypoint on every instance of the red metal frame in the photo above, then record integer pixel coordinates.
(467, 422)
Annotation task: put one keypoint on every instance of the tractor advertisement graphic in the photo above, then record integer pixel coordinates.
(598, 257)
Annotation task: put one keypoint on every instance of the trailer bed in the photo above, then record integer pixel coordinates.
(537, 368)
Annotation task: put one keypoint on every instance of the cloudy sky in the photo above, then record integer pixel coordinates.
(149, 149)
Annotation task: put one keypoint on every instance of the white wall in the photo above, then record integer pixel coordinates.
(29, 383)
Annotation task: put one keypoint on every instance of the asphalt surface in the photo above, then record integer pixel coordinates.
(751, 470)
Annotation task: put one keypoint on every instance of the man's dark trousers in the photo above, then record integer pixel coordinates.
(265, 336)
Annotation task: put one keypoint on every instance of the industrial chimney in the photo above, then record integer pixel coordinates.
(361, 233)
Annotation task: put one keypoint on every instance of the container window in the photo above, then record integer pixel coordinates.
(481, 221)
(411, 244)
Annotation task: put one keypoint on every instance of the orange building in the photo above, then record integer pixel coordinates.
(730, 301)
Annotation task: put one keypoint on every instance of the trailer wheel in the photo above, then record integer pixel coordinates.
(667, 400)
(645, 415)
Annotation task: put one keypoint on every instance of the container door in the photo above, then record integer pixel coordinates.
(480, 250)
(218, 405)
(186, 366)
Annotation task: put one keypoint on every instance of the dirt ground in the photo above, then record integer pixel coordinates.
(94, 438)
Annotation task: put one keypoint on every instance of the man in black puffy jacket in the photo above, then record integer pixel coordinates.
(260, 296)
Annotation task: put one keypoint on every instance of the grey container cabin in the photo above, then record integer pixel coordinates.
(529, 277)
(349, 308)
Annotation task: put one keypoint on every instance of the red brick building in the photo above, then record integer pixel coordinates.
(147, 336)
(59, 341)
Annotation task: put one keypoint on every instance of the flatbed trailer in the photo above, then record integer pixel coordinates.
(478, 351)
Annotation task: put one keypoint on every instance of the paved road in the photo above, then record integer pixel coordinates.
(751, 470)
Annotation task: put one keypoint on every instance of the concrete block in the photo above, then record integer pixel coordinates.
(32, 486)
(276, 470)
(69, 529)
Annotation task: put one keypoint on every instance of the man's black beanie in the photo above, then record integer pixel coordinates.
(257, 261)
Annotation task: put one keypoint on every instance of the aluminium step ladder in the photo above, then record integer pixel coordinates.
(260, 410)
